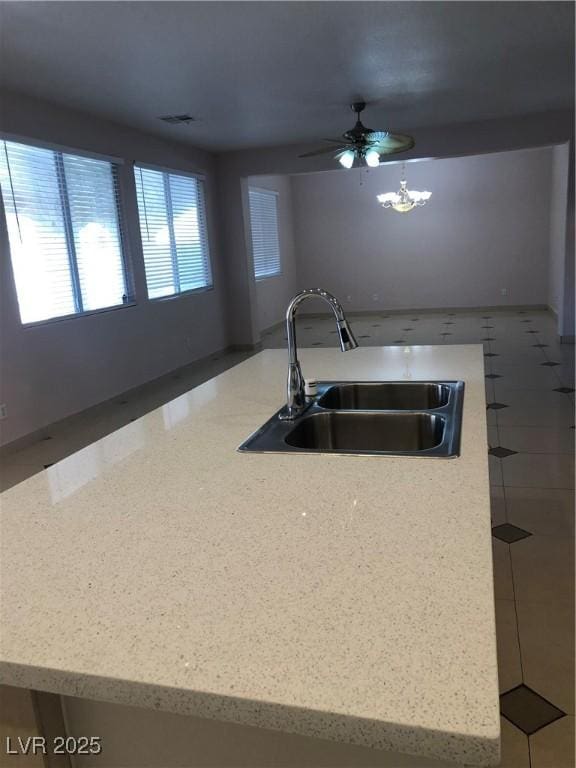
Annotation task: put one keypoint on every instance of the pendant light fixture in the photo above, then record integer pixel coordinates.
(405, 199)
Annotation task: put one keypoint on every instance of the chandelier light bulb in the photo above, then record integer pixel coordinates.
(347, 158)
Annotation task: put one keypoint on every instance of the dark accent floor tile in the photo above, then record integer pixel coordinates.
(407, 329)
(333, 331)
(308, 327)
(532, 331)
(495, 406)
(319, 343)
(486, 317)
(564, 390)
(122, 402)
(491, 354)
(451, 314)
(521, 312)
(399, 341)
(447, 323)
(48, 465)
(365, 336)
(48, 437)
(550, 365)
(414, 319)
(527, 710)
(525, 321)
(501, 452)
(376, 325)
(487, 326)
(446, 334)
(509, 533)
(493, 376)
(488, 338)
(539, 346)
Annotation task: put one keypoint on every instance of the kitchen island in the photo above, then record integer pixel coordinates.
(339, 598)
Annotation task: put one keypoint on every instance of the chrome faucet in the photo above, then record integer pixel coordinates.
(296, 402)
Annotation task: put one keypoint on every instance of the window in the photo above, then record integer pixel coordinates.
(264, 228)
(173, 228)
(63, 219)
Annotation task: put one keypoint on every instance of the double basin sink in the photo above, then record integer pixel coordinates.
(370, 418)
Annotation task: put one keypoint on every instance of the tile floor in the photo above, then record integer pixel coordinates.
(530, 396)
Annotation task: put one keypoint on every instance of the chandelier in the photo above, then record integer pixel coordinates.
(405, 199)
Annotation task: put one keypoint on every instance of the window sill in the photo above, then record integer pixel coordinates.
(78, 315)
(182, 294)
(268, 277)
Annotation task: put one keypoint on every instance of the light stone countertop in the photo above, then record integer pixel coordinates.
(344, 597)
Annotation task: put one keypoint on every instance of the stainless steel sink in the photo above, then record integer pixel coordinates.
(370, 418)
(384, 395)
(368, 432)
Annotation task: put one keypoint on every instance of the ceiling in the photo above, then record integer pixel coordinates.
(264, 73)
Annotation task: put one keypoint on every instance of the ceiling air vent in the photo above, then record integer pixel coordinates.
(173, 119)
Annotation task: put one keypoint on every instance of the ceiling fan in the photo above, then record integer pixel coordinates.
(363, 144)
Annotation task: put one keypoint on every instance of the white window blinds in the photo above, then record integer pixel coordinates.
(64, 227)
(174, 234)
(264, 230)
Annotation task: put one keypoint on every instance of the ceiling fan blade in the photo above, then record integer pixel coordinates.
(388, 143)
(325, 150)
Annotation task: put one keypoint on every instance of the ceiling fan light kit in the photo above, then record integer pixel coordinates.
(348, 157)
(363, 145)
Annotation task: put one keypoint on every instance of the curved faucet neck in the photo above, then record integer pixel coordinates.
(318, 293)
(295, 388)
(308, 293)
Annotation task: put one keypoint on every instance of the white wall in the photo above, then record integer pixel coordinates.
(485, 229)
(274, 293)
(559, 186)
(55, 369)
(567, 318)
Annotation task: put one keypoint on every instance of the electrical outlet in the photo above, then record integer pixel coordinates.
(3, 411)
(504, 291)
